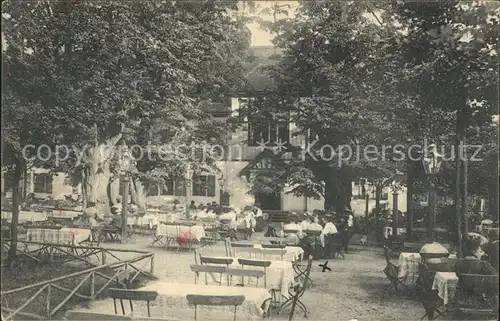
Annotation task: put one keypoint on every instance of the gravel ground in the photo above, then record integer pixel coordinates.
(352, 290)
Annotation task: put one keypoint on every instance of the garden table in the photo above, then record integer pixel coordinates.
(256, 304)
(63, 235)
(446, 284)
(408, 265)
(279, 275)
(293, 253)
(177, 233)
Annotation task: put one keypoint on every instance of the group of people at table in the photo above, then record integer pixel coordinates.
(296, 232)
(450, 284)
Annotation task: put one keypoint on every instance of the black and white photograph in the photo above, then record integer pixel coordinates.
(225, 160)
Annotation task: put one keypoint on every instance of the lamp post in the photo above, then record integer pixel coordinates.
(222, 182)
(188, 177)
(432, 162)
(125, 163)
(395, 210)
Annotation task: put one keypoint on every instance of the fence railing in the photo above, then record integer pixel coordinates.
(124, 270)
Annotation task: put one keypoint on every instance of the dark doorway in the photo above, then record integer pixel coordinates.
(268, 201)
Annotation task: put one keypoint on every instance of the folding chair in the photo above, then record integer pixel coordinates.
(315, 237)
(296, 293)
(132, 295)
(230, 247)
(391, 271)
(249, 252)
(91, 316)
(300, 275)
(273, 246)
(250, 273)
(215, 300)
(197, 269)
(256, 263)
(334, 246)
(218, 261)
(429, 298)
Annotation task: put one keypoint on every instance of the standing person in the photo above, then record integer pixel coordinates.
(349, 229)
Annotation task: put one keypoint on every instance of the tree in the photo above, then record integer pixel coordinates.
(324, 88)
(101, 73)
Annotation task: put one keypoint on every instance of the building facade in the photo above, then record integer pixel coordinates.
(243, 160)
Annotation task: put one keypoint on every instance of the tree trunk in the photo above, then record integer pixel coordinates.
(16, 196)
(409, 200)
(97, 176)
(114, 190)
(138, 195)
(338, 191)
(84, 192)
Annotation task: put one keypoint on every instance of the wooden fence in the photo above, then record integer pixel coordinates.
(138, 263)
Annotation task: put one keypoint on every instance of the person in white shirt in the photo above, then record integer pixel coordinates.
(257, 211)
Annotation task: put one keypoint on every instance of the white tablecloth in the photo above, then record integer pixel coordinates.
(293, 253)
(175, 231)
(64, 235)
(149, 219)
(408, 263)
(168, 217)
(228, 216)
(25, 216)
(256, 302)
(65, 213)
(278, 275)
(446, 284)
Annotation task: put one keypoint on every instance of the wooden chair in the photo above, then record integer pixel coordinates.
(250, 273)
(241, 245)
(250, 252)
(132, 295)
(275, 253)
(91, 316)
(256, 263)
(423, 286)
(273, 246)
(391, 271)
(315, 238)
(218, 261)
(334, 246)
(297, 292)
(477, 296)
(197, 269)
(215, 300)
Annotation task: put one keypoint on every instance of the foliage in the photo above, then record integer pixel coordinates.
(359, 73)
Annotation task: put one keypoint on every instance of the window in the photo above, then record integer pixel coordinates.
(271, 132)
(204, 185)
(43, 183)
(174, 187)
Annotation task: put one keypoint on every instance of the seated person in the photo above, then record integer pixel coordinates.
(472, 263)
(315, 226)
(192, 206)
(306, 221)
(468, 295)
